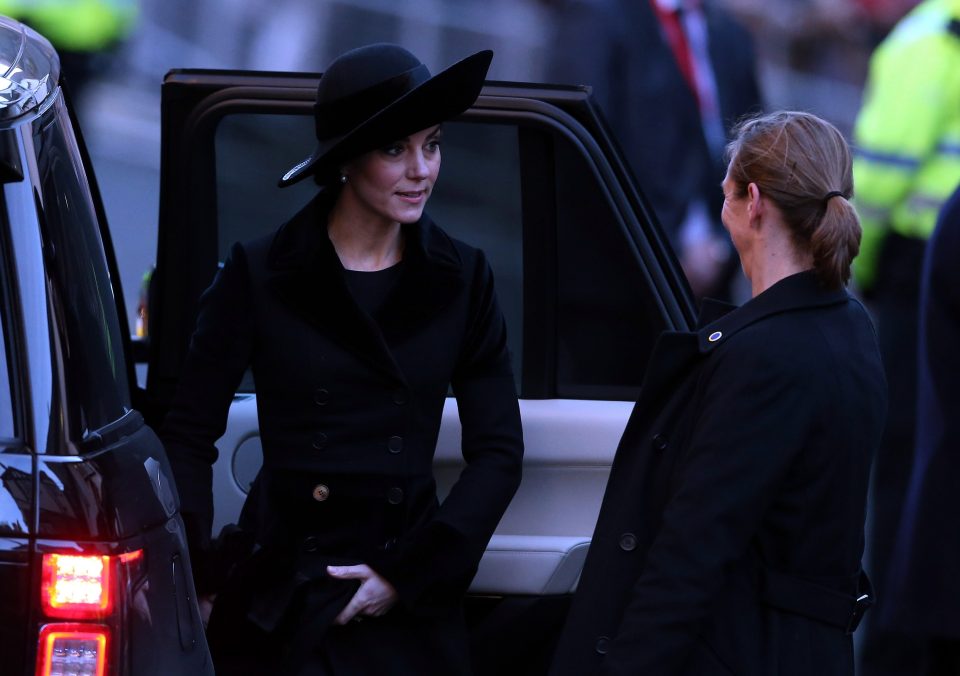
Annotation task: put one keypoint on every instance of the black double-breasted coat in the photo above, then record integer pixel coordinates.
(349, 411)
(730, 535)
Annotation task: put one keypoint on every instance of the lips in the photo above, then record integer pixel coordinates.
(412, 196)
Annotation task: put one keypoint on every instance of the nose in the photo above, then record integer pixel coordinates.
(418, 168)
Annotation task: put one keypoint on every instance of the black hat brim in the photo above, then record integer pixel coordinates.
(445, 95)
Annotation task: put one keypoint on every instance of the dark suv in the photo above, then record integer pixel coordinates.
(94, 575)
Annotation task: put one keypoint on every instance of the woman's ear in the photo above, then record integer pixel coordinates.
(754, 203)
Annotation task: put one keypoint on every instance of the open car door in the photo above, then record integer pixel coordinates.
(585, 278)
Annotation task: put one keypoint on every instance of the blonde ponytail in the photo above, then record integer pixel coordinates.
(835, 242)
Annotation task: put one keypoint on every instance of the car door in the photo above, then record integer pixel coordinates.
(585, 277)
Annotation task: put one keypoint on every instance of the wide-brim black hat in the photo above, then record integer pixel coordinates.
(376, 94)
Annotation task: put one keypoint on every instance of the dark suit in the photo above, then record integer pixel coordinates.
(922, 587)
(353, 403)
(743, 470)
(617, 48)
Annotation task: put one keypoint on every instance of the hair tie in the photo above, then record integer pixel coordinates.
(833, 193)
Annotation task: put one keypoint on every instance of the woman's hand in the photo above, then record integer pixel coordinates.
(206, 605)
(374, 598)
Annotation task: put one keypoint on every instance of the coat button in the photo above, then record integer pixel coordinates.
(321, 397)
(659, 442)
(320, 492)
(628, 542)
(399, 397)
(320, 441)
(395, 444)
(603, 645)
(310, 543)
(395, 495)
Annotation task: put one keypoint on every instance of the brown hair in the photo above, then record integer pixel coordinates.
(803, 164)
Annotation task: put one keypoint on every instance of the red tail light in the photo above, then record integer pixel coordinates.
(76, 586)
(83, 587)
(72, 650)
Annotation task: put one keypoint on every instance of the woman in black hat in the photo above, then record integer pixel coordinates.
(356, 317)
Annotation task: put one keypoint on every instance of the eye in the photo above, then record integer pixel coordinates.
(433, 145)
(393, 150)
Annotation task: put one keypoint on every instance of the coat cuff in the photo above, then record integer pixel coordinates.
(431, 569)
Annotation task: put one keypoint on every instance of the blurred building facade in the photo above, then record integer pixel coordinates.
(812, 55)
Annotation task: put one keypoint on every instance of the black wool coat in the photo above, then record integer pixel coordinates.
(745, 461)
(349, 410)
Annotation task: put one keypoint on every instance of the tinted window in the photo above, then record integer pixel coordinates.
(477, 200)
(606, 321)
(8, 371)
(7, 428)
(82, 298)
(253, 152)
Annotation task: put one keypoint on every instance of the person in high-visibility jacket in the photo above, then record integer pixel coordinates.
(907, 163)
(908, 132)
(78, 29)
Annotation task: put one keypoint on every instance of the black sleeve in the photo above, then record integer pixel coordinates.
(220, 351)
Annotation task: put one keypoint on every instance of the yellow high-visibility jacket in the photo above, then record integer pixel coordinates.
(75, 25)
(907, 134)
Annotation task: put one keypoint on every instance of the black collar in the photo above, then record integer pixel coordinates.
(306, 274)
(719, 321)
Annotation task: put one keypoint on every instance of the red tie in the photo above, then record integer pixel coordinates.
(677, 39)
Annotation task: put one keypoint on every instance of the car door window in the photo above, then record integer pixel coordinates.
(80, 292)
(8, 430)
(606, 319)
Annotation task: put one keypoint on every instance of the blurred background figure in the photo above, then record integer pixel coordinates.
(908, 163)
(85, 33)
(825, 38)
(672, 76)
(922, 593)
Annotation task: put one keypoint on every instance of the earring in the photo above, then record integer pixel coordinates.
(343, 178)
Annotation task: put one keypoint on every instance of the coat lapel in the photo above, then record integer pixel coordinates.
(675, 352)
(432, 279)
(307, 276)
(672, 355)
